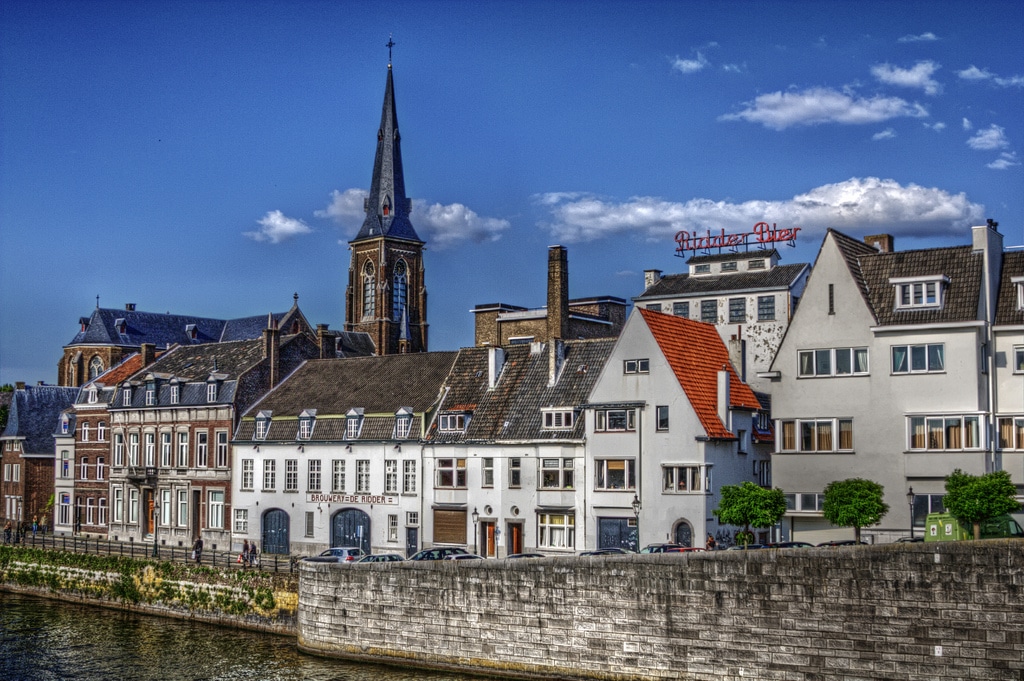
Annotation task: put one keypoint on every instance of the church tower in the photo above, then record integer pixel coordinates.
(386, 295)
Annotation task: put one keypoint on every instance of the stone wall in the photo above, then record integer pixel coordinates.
(900, 611)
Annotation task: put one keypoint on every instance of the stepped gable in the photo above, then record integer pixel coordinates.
(696, 354)
(34, 415)
(1008, 310)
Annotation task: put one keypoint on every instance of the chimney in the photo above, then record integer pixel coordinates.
(558, 292)
(130, 307)
(651, 277)
(19, 385)
(325, 341)
(495, 363)
(556, 357)
(738, 354)
(272, 350)
(723, 397)
(987, 240)
(148, 352)
(883, 243)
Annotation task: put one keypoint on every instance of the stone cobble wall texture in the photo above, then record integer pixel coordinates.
(900, 611)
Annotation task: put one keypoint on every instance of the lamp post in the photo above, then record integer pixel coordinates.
(476, 534)
(636, 514)
(156, 517)
(910, 503)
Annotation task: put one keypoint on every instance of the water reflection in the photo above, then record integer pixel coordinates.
(45, 640)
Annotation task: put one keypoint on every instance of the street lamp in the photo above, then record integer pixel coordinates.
(910, 502)
(156, 516)
(476, 535)
(636, 514)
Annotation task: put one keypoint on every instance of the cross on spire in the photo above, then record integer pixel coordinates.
(389, 45)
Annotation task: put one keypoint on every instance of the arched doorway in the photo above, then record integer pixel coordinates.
(351, 527)
(684, 534)
(275, 532)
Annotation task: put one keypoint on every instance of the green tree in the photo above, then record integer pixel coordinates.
(855, 503)
(977, 498)
(749, 505)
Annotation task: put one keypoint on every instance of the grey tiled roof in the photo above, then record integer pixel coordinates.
(1007, 310)
(353, 344)
(197, 362)
(34, 416)
(671, 285)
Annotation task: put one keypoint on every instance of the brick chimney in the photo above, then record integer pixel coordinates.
(148, 352)
(558, 292)
(272, 350)
(325, 341)
(883, 243)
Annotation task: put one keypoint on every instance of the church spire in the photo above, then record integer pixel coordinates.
(387, 207)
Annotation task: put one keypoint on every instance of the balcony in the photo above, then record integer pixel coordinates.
(141, 475)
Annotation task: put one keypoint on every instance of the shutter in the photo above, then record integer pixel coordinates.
(449, 527)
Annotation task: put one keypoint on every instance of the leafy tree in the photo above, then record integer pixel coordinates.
(977, 498)
(855, 503)
(749, 505)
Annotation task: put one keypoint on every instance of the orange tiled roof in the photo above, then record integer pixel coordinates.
(696, 353)
(123, 370)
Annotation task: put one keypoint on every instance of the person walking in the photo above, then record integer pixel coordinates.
(710, 544)
(245, 553)
(7, 532)
(197, 550)
(35, 525)
(253, 554)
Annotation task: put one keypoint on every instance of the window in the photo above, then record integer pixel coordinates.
(84, 472)
(101, 515)
(85, 431)
(730, 266)
(765, 308)
(93, 396)
(150, 395)
(612, 420)
(16, 472)
(399, 291)
(925, 504)
(409, 476)
(451, 473)
(313, 475)
(636, 366)
(133, 449)
(216, 514)
(919, 294)
(175, 393)
(101, 431)
(353, 424)
(556, 473)
(211, 391)
(202, 449)
(90, 511)
(118, 505)
(291, 475)
(65, 464)
(247, 473)
(816, 435)
(558, 419)
(363, 476)
(403, 425)
(222, 449)
(487, 467)
(241, 521)
(556, 530)
(309, 523)
(126, 397)
(944, 432)
(611, 474)
(412, 518)
(831, 299)
(338, 475)
(755, 265)
(133, 506)
(182, 449)
(654, 307)
(737, 310)
(369, 292)
(305, 428)
(1018, 360)
(269, 475)
(393, 527)
(182, 508)
(515, 472)
(677, 479)
(391, 476)
(763, 471)
(662, 417)
(805, 502)
(165, 450)
(101, 468)
(64, 512)
(833, 362)
(262, 425)
(166, 510)
(1011, 432)
(702, 269)
(709, 311)
(918, 358)
(452, 423)
(150, 449)
(681, 309)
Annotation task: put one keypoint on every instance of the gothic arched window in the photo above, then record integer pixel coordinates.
(399, 291)
(95, 367)
(369, 291)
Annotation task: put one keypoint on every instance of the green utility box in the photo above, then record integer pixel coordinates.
(944, 527)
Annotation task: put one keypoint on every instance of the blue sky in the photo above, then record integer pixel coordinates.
(208, 158)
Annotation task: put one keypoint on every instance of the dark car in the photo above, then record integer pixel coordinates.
(610, 551)
(381, 558)
(748, 547)
(792, 545)
(661, 548)
(909, 540)
(438, 553)
(338, 554)
(842, 542)
(525, 555)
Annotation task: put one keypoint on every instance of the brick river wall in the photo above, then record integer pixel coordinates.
(900, 611)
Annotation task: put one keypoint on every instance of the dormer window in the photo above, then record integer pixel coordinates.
(353, 423)
(175, 393)
(558, 419)
(126, 396)
(403, 423)
(919, 292)
(150, 394)
(1018, 286)
(92, 396)
(730, 266)
(262, 425)
(211, 391)
(702, 269)
(453, 423)
(307, 419)
(755, 265)
(191, 331)
(121, 326)
(64, 425)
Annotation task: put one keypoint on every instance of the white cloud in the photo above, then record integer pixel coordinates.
(937, 127)
(918, 76)
(276, 227)
(888, 133)
(992, 137)
(1012, 81)
(924, 37)
(440, 225)
(974, 73)
(690, 65)
(780, 110)
(967, 124)
(1006, 160)
(858, 204)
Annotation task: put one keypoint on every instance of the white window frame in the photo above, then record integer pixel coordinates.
(452, 423)
(221, 456)
(261, 428)
(1016, 432)
(930, 366)
(409, 476)
(929, 422)
(799, 427)
(558, 419)
(166, 508)
(133, 506)
(149, 441)
(824, 362)
(391, 476)
(684, 479)
(182, 449)
(202, 449)
(248, 474)
(393, 527)
(182, 508)
(291, 475)
(314, 477)
(215, 510)
(211, 392)
(118, 505)
(916, 293)
(603, 469)
(487, 472)
(85, 431)
(269, 475)
(636, 366)
(556, 530)
(338, 476)
(1018, 359)
(362, 476)
(133, 449)
(241, 521)
(450, 473)
(603, 420)
(101, 468)
(557, 473)
(166, 449)
(101, 431)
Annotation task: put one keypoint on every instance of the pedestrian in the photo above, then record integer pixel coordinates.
(253, 554)
(710, 543)
(197, 550)
(7, 532)
(245, 553)
(35, 525)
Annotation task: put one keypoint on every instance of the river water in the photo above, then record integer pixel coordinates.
(48, 640)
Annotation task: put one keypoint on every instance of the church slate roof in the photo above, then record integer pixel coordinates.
(674, 285)
(34, 415)
(1008, 311)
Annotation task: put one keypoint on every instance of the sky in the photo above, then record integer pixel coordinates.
(210, 158)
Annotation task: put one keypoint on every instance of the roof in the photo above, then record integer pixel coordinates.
(34, 416)
(696, 354)
(197, 362)
(113, 377)
(726, 257)
(353, 344)
(1007, 306)
(673, 285)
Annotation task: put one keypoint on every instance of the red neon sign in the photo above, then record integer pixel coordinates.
(763, 233)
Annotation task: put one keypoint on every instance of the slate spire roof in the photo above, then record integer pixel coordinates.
(387, 207)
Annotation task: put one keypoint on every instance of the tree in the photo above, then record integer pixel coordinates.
(977, 498)
(749, 505)
(855, 503)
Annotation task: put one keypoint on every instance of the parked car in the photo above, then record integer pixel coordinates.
(910, 540)
(338, 554)
(438, 553)
(463, 556)
(843, 542)
(381, 558)
(792, 545)
(945, 527)
(684, 549)
(748, 547)
(660, 548)
(525, 555)
(610, 551)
